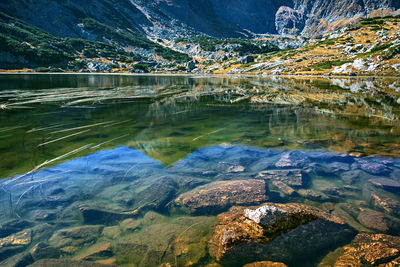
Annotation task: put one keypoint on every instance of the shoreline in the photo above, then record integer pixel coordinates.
(206, 75)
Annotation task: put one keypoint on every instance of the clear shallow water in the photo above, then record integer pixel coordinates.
(112, 153)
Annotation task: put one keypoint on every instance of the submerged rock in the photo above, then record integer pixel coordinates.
(96, 252)
(182, 241)
(389, 205)
(66, 263)
(313, 195)
(276, 232)
(130, 225)
(13, 226)
(45, 215)
(76, 236)
(377, 221)
(93, 215)
(14, 243)
(19, 260)
(375, 168)
(157, 195)
(292, 159)
(387, 184)
(265, 264)
(112, 232)
(20, 238)
(288, 177)
(284, 188)
(339, 167)
(221, 195)
(352, 176)
(371, 250)
(43, 251)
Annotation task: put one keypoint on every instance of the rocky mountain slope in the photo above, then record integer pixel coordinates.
(220, 18)
(371, 47)
(112, 34)
(23, 45)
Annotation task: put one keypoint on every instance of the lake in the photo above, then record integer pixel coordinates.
(133, 170)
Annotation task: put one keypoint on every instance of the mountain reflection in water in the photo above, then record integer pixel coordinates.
(112, 186)
(135, 169)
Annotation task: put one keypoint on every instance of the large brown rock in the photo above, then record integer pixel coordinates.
(371, 250)
(222, 195)
(276, 232)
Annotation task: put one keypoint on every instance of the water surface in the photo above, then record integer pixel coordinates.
(112, 153)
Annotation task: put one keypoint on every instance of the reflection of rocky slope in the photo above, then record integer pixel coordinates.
(133, 218)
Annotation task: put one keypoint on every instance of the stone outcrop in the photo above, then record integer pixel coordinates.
(276, 232)
(221, 195)
(289, 21)
(371, 250)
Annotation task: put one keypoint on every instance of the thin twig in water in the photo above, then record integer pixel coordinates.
(21, 196)
(116, 123)
(81, 127)
(99, 145)
(62, 138)
(11, 128)
(47, 162)
(179, 236)
(213, 132)
(39, 181)
(46, 128)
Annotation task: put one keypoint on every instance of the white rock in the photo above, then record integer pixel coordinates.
(266, 215)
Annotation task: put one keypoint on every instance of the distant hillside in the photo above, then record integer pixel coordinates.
(28, 46)
(160, 35)
(167, 18)
(371, 47)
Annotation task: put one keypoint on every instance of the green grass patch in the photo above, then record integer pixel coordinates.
(329, 64)
(240, 45)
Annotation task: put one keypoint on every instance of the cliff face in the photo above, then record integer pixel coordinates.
(233, 17)
(321, 13)
(257, 16)
(221, 18)
(201, 15)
